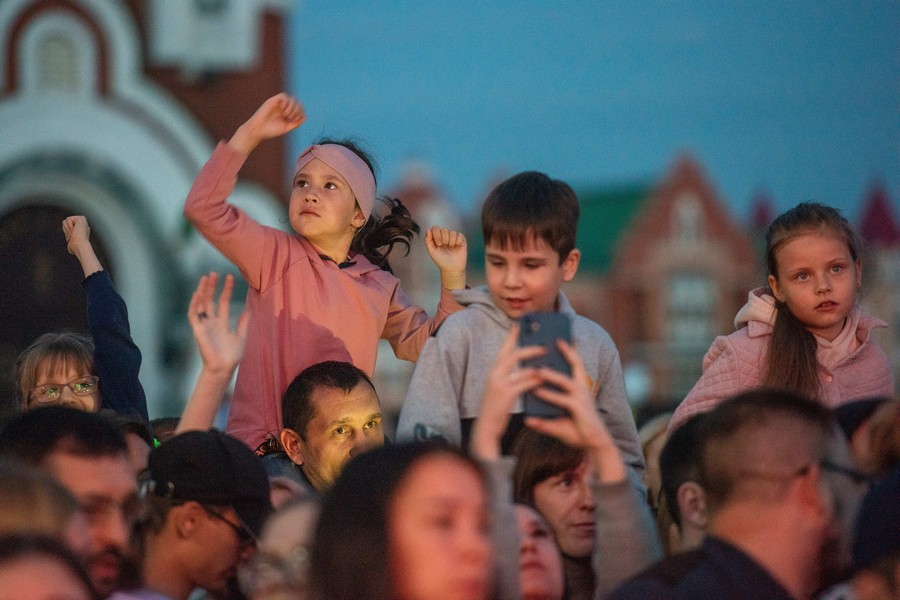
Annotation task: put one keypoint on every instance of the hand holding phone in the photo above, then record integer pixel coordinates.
(544, 329)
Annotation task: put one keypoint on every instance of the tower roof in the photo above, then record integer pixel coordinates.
(878, 225)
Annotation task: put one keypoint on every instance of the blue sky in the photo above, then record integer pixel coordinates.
(799, 99)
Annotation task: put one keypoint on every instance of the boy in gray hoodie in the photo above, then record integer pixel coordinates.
(529, 223)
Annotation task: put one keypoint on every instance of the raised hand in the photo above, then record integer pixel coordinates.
(221, 347)
(447, 248)
(78, 243)
(275, 117)
(77, 232)
(583, 427)
(505, 383)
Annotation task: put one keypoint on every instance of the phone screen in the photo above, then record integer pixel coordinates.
(544, 329)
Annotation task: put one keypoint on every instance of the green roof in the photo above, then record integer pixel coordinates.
(606, 212)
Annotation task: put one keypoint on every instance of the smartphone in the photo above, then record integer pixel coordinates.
(544, 329)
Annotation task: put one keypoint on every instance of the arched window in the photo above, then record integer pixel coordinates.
(687, 219)
(57, 56)
(57, 64)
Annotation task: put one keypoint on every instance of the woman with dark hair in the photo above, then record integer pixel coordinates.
(405, 522)
(570, 470)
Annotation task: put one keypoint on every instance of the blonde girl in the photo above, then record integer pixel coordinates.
(67, 367)
(804, 332)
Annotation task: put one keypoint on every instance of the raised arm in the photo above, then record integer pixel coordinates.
(117, 359)
(78, 243)
(275, 117)
(506, 382)
(583, 428)
(253, 247)
(221, 349)
(625, 538)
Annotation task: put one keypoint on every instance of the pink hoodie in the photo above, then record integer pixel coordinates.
(304, 309)
(850, 367)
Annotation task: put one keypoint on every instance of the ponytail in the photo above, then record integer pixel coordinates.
(396, 227)
(791, 362)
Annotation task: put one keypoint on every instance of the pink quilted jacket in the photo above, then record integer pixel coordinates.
(735, 362)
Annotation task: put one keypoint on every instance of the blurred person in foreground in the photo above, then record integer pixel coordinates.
(280, 569)
(781, 499)
(405, 522)
(89, 457)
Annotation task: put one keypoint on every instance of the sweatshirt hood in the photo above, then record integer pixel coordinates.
(479, 298)
(760, 307)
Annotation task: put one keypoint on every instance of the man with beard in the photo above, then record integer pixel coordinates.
(780, 497)
(89, 456)
(207, 496)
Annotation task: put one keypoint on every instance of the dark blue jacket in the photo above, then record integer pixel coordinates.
(117, 360)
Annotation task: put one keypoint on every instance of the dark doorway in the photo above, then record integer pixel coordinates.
(40, 284)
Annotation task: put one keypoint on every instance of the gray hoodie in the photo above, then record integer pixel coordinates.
(451, 372)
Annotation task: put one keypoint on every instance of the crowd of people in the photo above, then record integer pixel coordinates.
(778, 476)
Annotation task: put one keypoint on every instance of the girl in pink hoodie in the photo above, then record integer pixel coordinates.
(804, 331)
(324, 292)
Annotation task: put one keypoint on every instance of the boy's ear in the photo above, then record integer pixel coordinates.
(292, 444)
(692, 504)
(570, 264)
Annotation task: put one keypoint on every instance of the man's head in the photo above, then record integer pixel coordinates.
(777, 455)
(89, 456)
(529, 223)
(205, 490)
(685, 500)
(330, 413)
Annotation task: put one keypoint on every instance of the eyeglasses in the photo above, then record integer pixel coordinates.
(246, 539)
(51, 392)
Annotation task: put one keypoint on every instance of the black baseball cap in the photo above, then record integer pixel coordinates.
(211, 467)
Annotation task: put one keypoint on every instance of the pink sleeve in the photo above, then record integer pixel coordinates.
(720, 379)
(408, 326)
(242, 240)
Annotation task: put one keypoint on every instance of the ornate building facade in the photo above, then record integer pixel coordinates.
(108, 108)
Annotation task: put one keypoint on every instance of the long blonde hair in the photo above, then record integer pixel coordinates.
(791, 362)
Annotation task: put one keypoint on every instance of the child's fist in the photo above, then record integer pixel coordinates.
(278, 115)
(77, 232)
(448, 250)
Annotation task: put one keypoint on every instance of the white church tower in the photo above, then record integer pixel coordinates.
(108, 108)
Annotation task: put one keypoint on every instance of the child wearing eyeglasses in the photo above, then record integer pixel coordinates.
(67, 367)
